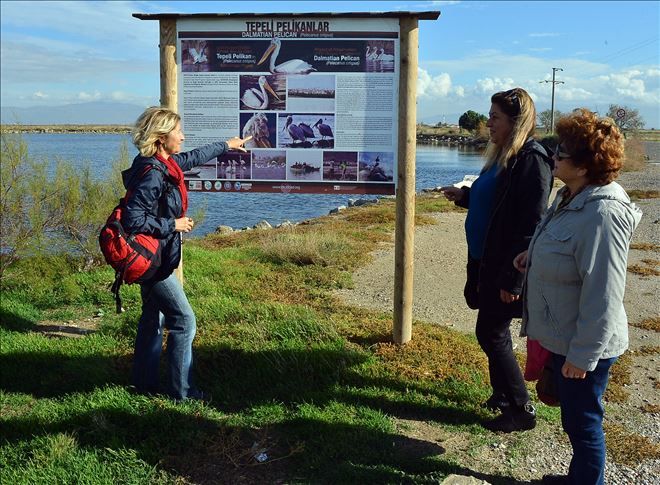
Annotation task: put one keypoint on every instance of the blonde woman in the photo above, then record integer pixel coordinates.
(156, 205)
(504, 205)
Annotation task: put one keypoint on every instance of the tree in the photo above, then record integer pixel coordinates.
(545, 119)
(626, 118)
(470, 120)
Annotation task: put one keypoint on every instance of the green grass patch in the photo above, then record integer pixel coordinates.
(312, 385)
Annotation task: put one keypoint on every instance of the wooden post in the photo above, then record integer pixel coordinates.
(405, 197)
(168, 83)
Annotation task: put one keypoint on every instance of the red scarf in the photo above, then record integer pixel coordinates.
(176, 176)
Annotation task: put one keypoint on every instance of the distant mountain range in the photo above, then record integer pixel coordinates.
(92, 113)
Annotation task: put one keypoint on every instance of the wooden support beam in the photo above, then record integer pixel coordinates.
(405, 197)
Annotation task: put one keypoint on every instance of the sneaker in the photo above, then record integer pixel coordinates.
(496, 402)
(513, 419)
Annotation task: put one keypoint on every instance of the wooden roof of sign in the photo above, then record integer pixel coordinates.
(428, 15)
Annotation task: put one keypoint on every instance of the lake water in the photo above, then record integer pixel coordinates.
(435, 165)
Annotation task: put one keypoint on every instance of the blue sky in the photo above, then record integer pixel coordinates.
(57, 53)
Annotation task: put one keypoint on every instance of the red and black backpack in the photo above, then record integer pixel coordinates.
(135, 257)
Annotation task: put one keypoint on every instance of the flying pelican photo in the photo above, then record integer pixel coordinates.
(258, 98)
(324, 130)
(294, 66)
(198, 57)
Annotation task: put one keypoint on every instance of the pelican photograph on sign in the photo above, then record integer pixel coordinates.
(311, 93)
(304, 165)
(290, 66)
(205, 171)
(376, 166)
(262, 92)
(261, 127)
(340, 166)
(303, 130)
(234, 166)
(269, 165)
(194, 56)
(380, 56)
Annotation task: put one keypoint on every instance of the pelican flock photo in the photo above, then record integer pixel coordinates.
(294, 66)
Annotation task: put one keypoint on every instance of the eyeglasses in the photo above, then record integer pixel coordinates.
(560, 154)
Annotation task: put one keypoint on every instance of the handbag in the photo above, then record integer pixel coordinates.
(546, 387)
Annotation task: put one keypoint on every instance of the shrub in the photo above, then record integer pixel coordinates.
(49, 215)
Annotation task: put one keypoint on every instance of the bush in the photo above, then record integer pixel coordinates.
(50, 215)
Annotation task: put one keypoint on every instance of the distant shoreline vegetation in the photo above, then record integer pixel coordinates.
(109, 129)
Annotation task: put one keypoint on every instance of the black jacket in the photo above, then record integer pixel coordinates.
(521, 197)
(154, 202)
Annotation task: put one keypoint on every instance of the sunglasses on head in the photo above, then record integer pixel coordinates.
(560, 153)
(512, 95)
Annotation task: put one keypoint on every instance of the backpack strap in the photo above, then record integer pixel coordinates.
(116, 285)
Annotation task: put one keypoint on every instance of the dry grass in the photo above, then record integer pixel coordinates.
(627, 448)
(645, 247)
(652, 323)
(643, 194)
(643, 270)
(648, 350)
(635, 155)
(619, 378)
(431, 355)
(303, 248)
(651, 408)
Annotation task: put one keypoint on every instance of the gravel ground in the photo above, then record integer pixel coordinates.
(438, 283)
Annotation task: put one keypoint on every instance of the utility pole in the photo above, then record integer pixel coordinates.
(552, 107)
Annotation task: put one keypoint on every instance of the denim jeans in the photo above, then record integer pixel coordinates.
(164, 304)
(582, 419)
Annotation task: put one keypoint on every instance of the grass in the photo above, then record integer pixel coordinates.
(315, 385)
(643, 194)
(645, 247)
(652, 323)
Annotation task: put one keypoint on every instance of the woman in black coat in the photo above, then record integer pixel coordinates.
(504, 205)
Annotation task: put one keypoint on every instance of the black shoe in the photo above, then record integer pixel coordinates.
(554, 479)
(496, 402)
(513, 419)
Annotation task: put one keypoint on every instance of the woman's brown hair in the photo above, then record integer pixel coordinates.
(595, 144)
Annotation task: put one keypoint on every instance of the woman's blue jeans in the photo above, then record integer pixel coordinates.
(582, 418)
(164, 304)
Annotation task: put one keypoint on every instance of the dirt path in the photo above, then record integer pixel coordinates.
(440, 253)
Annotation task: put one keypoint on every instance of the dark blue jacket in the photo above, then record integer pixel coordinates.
(154, 202)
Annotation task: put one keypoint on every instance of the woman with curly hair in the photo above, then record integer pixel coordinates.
(575, 280)
(504, 205)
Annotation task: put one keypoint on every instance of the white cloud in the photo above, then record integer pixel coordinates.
(544, 34)
(83, 96)
(492, 85)
(438, 86)
(39, 95)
